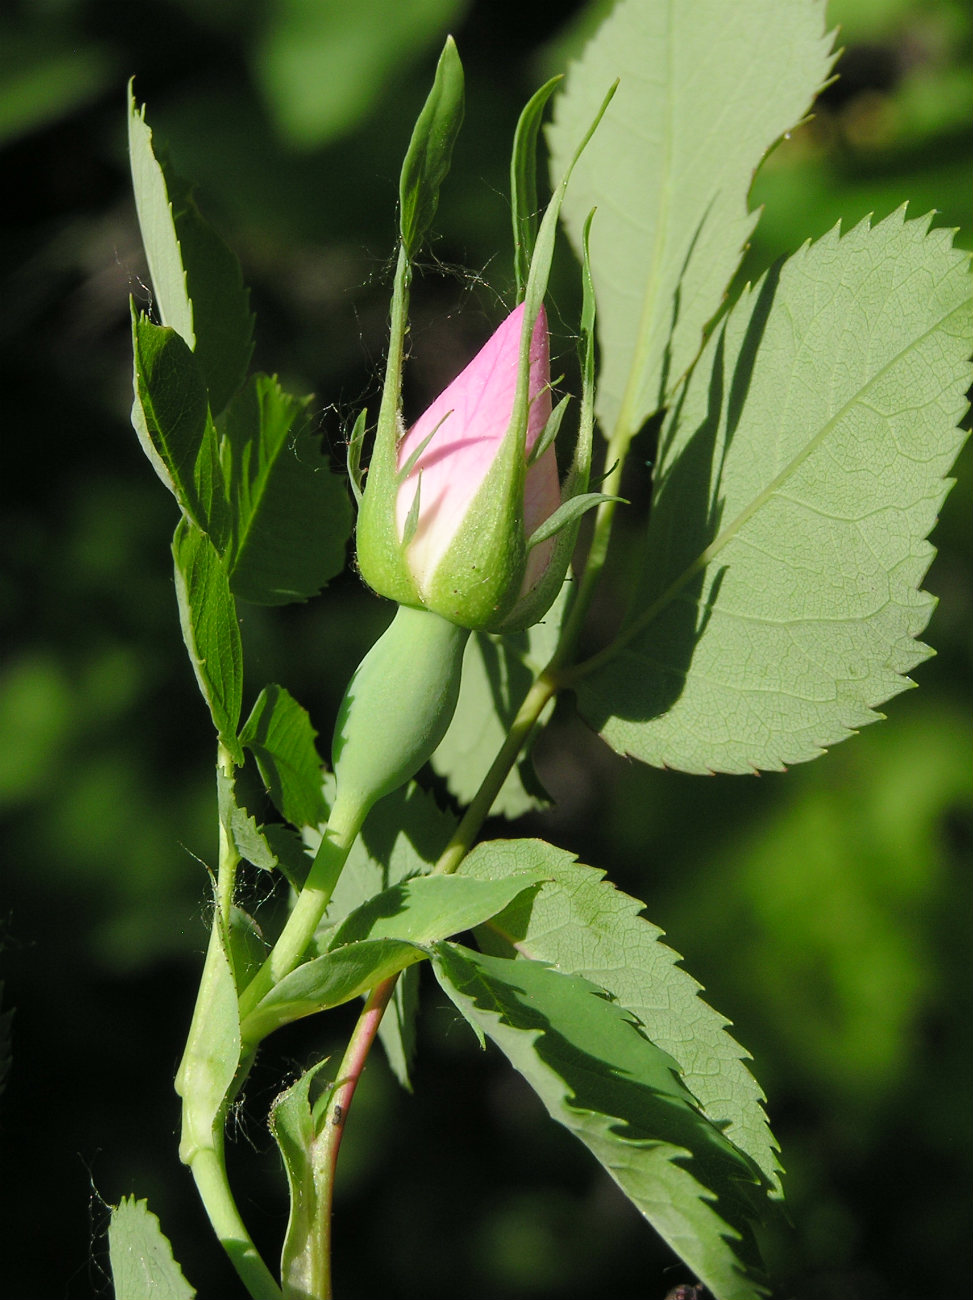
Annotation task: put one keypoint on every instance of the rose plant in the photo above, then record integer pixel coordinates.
(799, 441)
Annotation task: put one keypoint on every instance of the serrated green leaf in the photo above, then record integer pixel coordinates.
(306, 1163)
(620, 1095)
(798, 476)
(279, 734)
(705, 89)
(427, 908)
(142, 1265)
(158, 227)
(170, 412)
(288, 848)
(222, 320)
(207, 615)
(579, 922)
(430, 151)
(291, 517)
(328, 981)
(196, 279)
(240, 827)
(497, 674)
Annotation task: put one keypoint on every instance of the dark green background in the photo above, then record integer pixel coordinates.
(826, 910)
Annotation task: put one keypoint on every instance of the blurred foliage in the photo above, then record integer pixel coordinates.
(826, 909)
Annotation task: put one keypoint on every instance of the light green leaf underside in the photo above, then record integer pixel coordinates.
(427, 908)
(797, 479)
(579, 922)
(705, 89)
(290, 515)
(280, 736)
(158, 228)
(142, 1266)
(619, 1094)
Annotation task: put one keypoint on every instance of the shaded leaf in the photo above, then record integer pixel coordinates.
(279, 734)
(291, 517)
(620, 1095)
(705, 90)
(579, 922)
(142, 1266)
(207, 615)
(222, 320)
(797, 478)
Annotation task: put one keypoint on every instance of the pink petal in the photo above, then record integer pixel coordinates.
(472, 415)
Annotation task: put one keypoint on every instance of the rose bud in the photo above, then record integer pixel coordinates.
(447, 525)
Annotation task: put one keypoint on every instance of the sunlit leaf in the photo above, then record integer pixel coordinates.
(427, 908)
(599, 1076)
(798, 476)
(329, 981)
(579, 922)
(705, 89)
(142, 1266)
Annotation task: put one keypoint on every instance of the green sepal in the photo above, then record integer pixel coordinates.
(380, 558)
(534, 604)
(430, 150)
(523, 181)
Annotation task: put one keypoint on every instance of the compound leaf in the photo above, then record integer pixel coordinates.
(599, 1076)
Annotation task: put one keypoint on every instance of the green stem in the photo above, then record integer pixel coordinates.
(476, 814)
(336, 843)
(203, 1083)
(210, 1175)
(595, 560)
